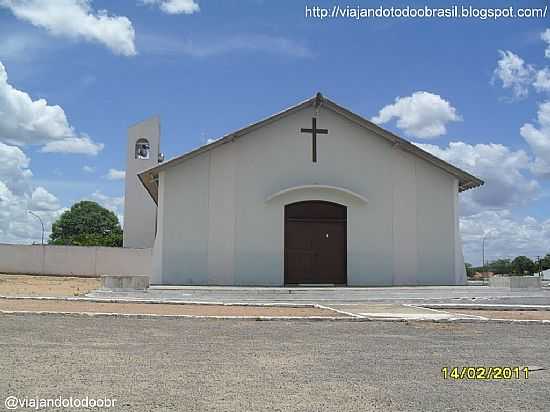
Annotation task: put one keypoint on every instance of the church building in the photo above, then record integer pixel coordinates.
(313, 195)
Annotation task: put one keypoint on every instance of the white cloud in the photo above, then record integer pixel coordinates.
(74, 145)
(175, 6)
(545, 35)
(14, 169)
(115, 174)
(422, 115)
(113, 203)
(506, 236)
(518, 76)
(88, 169)
(502, 169)
(75, 19)
(514, 73)
(42, 200)
(542, 80)
(16, 225)
(204, 48)
(539, 140)
(25, 121)
(17, 197)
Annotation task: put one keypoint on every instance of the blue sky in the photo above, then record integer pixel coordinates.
(216, 65)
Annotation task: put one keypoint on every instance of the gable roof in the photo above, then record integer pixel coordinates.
(149, 177)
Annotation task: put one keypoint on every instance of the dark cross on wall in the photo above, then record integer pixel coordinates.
(314, 132)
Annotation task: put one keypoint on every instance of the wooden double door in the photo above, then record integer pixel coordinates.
(315, 243)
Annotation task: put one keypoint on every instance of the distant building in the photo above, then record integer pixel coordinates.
(482, 275)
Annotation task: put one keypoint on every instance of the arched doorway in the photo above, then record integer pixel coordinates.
(315, 243)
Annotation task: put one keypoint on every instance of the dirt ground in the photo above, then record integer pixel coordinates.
(163, 365)
(506, 314)
(27, 285)
(159, 309)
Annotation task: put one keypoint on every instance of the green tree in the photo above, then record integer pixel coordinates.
(522, 265)
(87, 224)
(545, 262)
(500, 266)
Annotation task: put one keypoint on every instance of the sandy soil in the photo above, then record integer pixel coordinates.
(27, 285)
(159, 309)
(506, 314)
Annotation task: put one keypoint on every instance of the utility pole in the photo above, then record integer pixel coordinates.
(41, 222)
(539, 261)
(483, 251)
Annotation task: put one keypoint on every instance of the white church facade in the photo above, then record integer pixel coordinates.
(314, 194)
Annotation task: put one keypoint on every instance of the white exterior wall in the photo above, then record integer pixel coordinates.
(156, 277)
(405, 234)
(217, 226)
(139, 209)
(185, 223)
(460, 269)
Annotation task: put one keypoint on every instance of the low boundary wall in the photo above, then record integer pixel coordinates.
(515, 282)
(74, 260)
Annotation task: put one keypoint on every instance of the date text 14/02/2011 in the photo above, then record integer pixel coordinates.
(485, 372)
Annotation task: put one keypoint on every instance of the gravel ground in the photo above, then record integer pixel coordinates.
(27, 285)
(505, 314)
(175, 365)
(32, 305)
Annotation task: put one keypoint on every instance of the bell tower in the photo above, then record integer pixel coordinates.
(140, 211)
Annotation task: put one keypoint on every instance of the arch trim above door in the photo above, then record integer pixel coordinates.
(355, 195)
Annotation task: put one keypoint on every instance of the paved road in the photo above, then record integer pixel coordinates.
(415, 295)
(176, 365)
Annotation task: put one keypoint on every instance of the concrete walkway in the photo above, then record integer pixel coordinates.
(336, 296)
(403, 312)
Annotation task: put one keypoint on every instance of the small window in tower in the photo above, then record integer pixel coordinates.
(142, 149)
